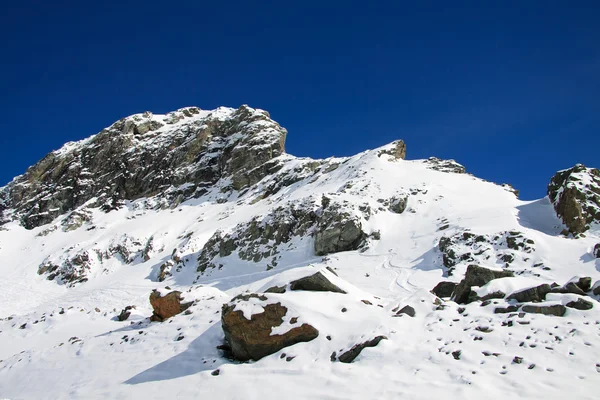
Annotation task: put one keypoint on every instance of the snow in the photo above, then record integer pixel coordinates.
(139, 359)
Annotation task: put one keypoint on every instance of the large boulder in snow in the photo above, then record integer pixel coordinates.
(476, 276)
(556, 310)
(597, 250)
(168, 305)
(249, 334)
(534, 294)
(444, 289)
(315, 283)
(575, 194)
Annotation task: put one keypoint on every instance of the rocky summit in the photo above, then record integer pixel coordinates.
(188, 255)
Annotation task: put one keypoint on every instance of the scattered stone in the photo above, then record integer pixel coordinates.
(125, 313)
(517, 360)
(456, 354)
(556, 310)
(534, 294)
(494, 295)
(597, 250)
(580, 304)
(350, 355)
(216, 372)
(398, 204)
(570, 287)
(444, 289)
(167, 306)
(585, 283)
(251, 339)
(315, 283)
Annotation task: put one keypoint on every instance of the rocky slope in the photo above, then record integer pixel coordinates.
(186, 255)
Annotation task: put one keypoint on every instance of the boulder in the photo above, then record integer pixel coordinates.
(338, 231)
(444, 289)
(534, 294)
(597, 250)
(125, 313)
(494, 295)
(315, 283)
(350, 355)
(476, 276)
(167, 306)
(557, 310)
(596, 288)
(251, 339)
(408, 310)
(570, 287)
(585, 283)
(397, 150)
(580, 304)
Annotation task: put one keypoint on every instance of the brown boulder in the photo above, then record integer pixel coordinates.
(167, 306)
(251, 339)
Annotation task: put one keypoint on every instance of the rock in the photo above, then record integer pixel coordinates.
(338, 231)
(251, 339)
(276, 289)
(505, 310)
(408, 310)
(494, 295)
(398, 204)
(167, 306)
(574, 193)
(570, 287)
(315, 283)
(557, 310)
(534, 294)
(444, 289)
(517, 360)
(585, 283)
(396, 149)
(580, 304)
(597, 250)
(476, 276)
(449, 166)
(596, 288)
(350, 355)
(125, 313)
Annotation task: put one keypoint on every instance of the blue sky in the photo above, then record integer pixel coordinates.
(510, 90)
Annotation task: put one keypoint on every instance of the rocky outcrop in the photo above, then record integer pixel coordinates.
(449, 166)
(476, 276)
(396, 149)
(143, 156)
(338, 230)
(315, 283)
(556, 310)
(350, 355)
(534, 294)
(167, 306)
(597, 250)
(251, 339)
(575, 194)
(444, 289)
(125, 313)
(580, 304)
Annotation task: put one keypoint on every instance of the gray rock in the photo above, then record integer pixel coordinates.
(315, 283)
(556, 310)
(506, 310)
(580, 304)
(444, 289)
(570, 287)
(597, 250)
(476, 276)
(575, 202)
(534, 294)
(408, 310)
(398, 204)
(350, 355)
(585, 283)
(494, 295)
(338, 231)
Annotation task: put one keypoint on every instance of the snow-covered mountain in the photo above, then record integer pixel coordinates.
(187, 255)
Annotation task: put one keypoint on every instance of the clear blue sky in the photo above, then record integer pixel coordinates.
(512, 90)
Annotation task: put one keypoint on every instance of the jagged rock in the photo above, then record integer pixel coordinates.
(350, 355)
(398, 204)
(276, 289)
(476, 276)
(494, 295)
(252, 339)
(450, 166)
(125, 313)
(570, 287)
(168, 305)
(556, 310)
(585, 283)
(580, 304)
(596, 288)
(534, 294)
(575, 194)
(397, 150)
(315, 283)
(444, 289)
(408, 310)
(141, 155)
(597, 250)
(338, 231)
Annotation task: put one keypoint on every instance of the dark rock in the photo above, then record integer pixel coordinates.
(476, 276)
(338, 231)
(350, 355)
(167, 306)
(534, 294)
(125, 313)
(570, 287)
(408, 310)
(315, 283)
(456, 354)
(580, 304)
(506, 310)
(216, 372)
(444, 289)
(556, 310)
(251, 339)
(576, 203)
(517, 360)
(596, 289)
(493, 295)
(597, 250)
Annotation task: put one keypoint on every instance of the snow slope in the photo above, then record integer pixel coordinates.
(61, 342)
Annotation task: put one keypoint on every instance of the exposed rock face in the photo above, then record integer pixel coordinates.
(315, 283)
(556, 310)
(503, 247)
(168, 305)
(408, 310)
(143, 155)
(476, 276)
(575, 194)
(251, 339)
(398, 204)
(597, 250)
(534, 294)
(444, 289)
(397, 150)
(350, 355)
(449, 166)
(125, 313)
(338, 231)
